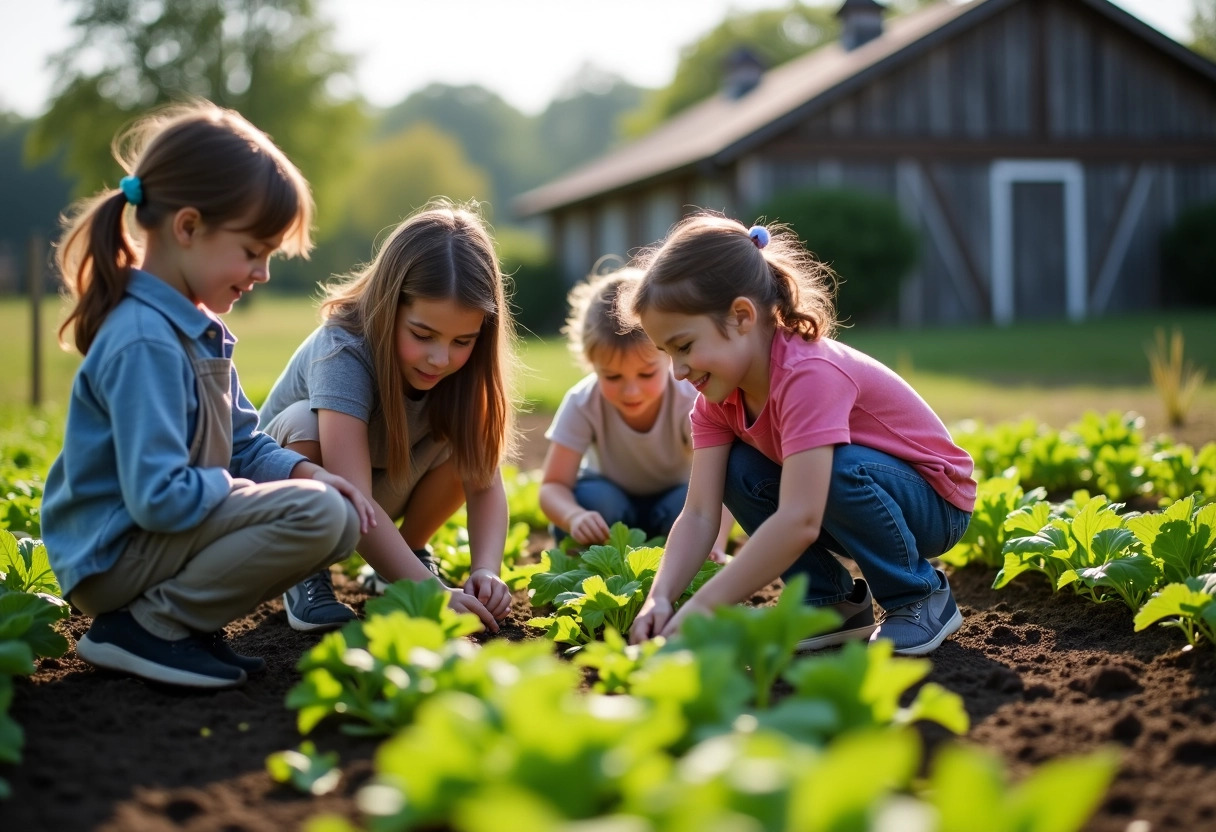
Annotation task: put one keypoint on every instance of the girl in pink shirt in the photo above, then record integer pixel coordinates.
(818, 450)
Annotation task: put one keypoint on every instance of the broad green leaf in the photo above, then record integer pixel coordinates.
(604, 560)
(1174, 600)
(305, 769)
(1037, 803)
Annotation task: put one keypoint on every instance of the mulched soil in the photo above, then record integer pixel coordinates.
(1042, 675)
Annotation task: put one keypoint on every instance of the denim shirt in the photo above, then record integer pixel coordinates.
(131, 416)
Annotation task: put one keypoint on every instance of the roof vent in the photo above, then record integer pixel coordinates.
(742, 71)
(860, 22)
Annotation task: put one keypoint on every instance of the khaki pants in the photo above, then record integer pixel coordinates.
(260, 541)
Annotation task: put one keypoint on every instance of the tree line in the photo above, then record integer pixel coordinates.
(274, 61)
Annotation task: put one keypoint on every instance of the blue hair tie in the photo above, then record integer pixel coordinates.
(759, 235)
(132, 189)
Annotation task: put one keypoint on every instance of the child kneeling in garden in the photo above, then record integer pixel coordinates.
(815, 447)
(620, 446)
(167, 514)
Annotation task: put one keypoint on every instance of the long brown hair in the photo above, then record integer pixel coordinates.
(442, 252)
(708, 260)
(193, 155)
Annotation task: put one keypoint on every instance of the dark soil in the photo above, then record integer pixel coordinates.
(1042, 675)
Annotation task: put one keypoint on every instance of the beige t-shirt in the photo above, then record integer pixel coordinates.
(640, 463)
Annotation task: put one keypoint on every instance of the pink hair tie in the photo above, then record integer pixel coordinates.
(759, 235)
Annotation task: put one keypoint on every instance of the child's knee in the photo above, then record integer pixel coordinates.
(332, 517)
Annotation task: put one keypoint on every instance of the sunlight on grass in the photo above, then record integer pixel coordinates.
(1051, 372)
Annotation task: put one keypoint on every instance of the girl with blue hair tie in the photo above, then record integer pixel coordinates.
(167, 514)
(817, 449)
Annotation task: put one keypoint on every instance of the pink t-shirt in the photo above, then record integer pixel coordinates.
(826, 393)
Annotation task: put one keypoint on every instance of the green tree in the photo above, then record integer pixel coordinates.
(269, 59)
(775, 36)
(390, 179)
(1203, 27)
(495, 135)
(583, 121)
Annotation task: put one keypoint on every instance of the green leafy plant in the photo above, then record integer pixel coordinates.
(25, 566)
(763, 639)
(1189, 605)
(305, 769)
(604, 587)
(1181, 538)
(1094, 552)
(984, 540)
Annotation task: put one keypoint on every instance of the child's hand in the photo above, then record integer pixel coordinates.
(690, 608)
(363, 506)
(588, 528)
(490, 590)
(464, 602)
(654, 615)
(719, 556)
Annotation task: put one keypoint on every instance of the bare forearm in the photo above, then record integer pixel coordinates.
(776, 544)
(488, 521)
(688, 546)
(558, 503)
(386, 550)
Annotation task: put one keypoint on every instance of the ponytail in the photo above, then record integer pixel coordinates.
(709, 260)
(193, 155)
(95, 257)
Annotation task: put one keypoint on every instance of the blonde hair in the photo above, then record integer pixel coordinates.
(194, 155)
(442, 252)
(708, 260)
(594, 324)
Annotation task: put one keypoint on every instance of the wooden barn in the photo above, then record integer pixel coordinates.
(1040, 148)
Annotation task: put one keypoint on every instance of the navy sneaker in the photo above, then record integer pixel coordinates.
(219, 647)
(116, 641)
(921, 627)
(312, 606)
(857, 612)
(375, 583)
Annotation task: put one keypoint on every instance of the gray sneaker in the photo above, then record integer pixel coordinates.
(312, 606)
(116, 641)
(375, 583)
(920, 628)
(858, 613)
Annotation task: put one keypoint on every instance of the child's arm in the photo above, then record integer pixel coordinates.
(692, 536)
(718, 555)
(344, 451)
(365, 507)
(488, 518)
(777, 542)
(559, 475)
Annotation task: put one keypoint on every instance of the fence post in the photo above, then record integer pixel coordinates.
(36, 276)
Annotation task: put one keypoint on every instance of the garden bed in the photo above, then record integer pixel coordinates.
(1042, 675)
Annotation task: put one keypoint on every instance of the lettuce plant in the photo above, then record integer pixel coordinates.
(604, 587)
(983, 541)
(1189, 605)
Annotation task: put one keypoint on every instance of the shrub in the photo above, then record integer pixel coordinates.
(859, 234)
(1188, 256)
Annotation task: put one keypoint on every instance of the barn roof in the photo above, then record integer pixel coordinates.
(721, 128)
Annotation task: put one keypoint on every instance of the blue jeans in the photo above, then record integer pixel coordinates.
(653, 514)
(880, 513)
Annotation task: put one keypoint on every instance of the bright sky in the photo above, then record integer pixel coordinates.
(525, 50)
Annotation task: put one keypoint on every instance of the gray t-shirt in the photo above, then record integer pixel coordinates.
(640, 463)
(333, 370)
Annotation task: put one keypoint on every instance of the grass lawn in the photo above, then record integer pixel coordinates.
(1049, 371)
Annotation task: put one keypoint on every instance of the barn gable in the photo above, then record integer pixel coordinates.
(1039, 146)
